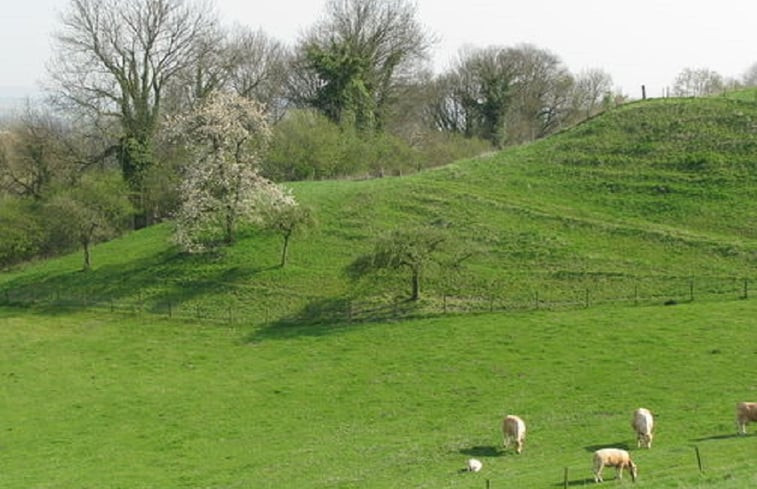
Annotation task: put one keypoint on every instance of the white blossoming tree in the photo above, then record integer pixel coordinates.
(225, 137)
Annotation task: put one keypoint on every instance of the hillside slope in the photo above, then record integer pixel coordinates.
(655, 200)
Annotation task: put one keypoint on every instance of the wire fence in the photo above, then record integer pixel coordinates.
(247, 306)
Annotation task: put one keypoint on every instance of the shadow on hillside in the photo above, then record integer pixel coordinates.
(151, 283)
(332, 315)
(618, 444)
(578, 482)
(719, 437)
(482, 451)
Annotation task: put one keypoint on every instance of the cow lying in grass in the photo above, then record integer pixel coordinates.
(613, 457)
(745, 412)
(643, 423)
(514, 431)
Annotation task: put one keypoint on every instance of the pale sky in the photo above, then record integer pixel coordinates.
(636, 41)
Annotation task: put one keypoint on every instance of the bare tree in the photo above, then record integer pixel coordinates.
(749, 77)
(115, 58)
(592, 87)
(504, 95)
(258, 68)
(35, 153)
(697, 82)
(541, 93)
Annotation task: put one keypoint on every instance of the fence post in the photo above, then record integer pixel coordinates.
(445, 303)
(699, 459)
(537, 299)
(636, 294)
(691, 290)
(565, 479)
(746, 288)
(586, 300)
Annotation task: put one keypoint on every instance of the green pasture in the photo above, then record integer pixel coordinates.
(120, 401)
(158, 369)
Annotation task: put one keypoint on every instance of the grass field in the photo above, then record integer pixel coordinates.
(267, 384)
(105, 401)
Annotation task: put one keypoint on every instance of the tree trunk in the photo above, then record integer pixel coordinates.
(285, 250)
(87, 255)
(416, 294)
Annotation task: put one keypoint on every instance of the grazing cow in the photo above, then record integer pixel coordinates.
(514, 430)
(745, 412)
(613, 457)
(643, 424)
(474, 465)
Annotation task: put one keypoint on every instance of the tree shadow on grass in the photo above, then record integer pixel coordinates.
(331, 315)
(482, 451)
(153, 283)
(623, 445)
(577, 482)
(719, 437)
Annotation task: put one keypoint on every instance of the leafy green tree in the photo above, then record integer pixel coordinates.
(358, 54)
(225, 137)
(22, 232)
(95, 209)
(410, 249)
(286, 221)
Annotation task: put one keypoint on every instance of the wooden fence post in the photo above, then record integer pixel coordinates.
(565, 479)
(746, 288)
(699, 459)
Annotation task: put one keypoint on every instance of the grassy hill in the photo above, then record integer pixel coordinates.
(653, 201)
(269, 385)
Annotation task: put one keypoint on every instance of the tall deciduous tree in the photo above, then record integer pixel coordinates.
(504, 95)
(358, 52)
(225, 136)
(476, 94)
(114, 59)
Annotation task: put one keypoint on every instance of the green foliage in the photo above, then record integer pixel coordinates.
(95, 209)
(22, 234)
(346, 94)
(307, 146)
(413, 249)
(286, 221)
